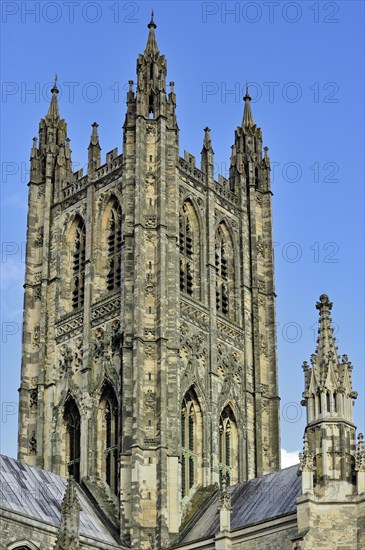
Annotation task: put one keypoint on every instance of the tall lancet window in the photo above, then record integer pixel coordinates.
(191, 438)
(228, 446)
(73, 423)
(114, 248)
(224, 272)
(78, 266)
(109, 438)
(189, 251)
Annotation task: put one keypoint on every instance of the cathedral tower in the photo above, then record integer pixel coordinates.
(149, 366)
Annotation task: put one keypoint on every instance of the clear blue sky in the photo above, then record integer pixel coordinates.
(305, 63)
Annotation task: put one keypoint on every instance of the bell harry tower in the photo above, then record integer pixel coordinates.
(149, 367)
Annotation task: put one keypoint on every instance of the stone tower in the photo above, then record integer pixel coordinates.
(331, 508)
(149, 366)
(330, 433)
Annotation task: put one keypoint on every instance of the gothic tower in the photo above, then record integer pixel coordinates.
(149, 366)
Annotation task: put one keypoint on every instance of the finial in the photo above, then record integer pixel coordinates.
(247, 96)
(324, 302)
(152, 23)
(55, 89)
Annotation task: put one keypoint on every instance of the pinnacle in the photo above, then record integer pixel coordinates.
(207, 143)
(94, 140)
(248, 120)
(151, 47)
(53, 111)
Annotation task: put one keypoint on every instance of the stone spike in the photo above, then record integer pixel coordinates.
(326, 349)
(151, 47)
(53, 111)
(248, 121)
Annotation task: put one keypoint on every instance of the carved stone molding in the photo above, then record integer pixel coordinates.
(105, 309)
(194, 314)
(70, 325)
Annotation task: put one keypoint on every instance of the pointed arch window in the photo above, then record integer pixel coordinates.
(228, 446)
(191, 436)
(224, 273)
(189, 251)
(78, 266)
(109, 438)
(114, 248)
(73, 429)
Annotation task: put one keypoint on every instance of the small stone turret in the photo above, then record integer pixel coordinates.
(328, 398)
(330, 510)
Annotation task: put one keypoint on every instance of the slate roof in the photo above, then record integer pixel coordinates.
(255, 501)
(39, 494)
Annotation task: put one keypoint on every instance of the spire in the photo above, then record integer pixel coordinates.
(53, 112)
(151, 47)
(326, 351)
(247, 121)
(68, 536)
(328, 381)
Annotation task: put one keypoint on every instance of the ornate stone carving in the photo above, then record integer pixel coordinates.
(65, 361)
(224, 497)
(229, 364)
(98, 344)
(41, 191)
(149, 333)
(260, 246)
(265, 447)
(36, 336)
(33, 398)
(150, 221)
(227, 331)
(306, 458)
(70, 324)
(151, 237)
(79, 353)
(37, 291)
(149, 351)
(150, 285)
(105, 309)
(360, 454)
(33, 444)
(149, 400)
(115, 336)
(38, 241)
(194, 314)
(263, 349)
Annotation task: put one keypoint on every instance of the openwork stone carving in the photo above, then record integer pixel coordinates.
(149, 400)
(33, 444)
